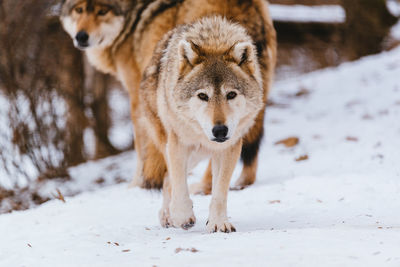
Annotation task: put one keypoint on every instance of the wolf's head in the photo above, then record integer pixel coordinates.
(94, 23)
(220, 85)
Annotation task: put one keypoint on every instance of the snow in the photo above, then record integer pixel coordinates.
(300, 13)
(121, 132)
(93, 175)
(338, 208)
(394, 7)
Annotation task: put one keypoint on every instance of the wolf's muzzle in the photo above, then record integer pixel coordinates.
(220, 132)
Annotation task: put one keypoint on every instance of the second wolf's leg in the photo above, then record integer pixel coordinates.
(204, 186)
(181, 206)
(154, 167)
(249, 154)
(223, 165)
(140, 144)
(150, 167)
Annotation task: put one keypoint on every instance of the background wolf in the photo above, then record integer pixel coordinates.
(119, 37)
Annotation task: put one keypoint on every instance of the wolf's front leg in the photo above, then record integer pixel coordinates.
(163, 214)
(223, 164)
(181, 206)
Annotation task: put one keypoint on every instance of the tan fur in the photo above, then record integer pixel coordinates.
(203, 75)
(144, 24)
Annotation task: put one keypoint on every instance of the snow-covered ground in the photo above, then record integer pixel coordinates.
(319, 13)
(339, 207)
(301, 13)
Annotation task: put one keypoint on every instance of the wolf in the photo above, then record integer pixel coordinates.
(200, 95)
(119, 37)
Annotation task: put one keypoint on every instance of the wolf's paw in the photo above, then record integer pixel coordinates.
(187, 224)
(237, 187)
(184, 221)
(199, 189)
(242, 183)
(137, 181)
(220, 226)
(181, 216)
(164, 217)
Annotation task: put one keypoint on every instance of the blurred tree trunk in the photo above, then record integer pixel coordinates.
(367, 24)
(42, 78)
(71, 86)
(98, 85)
(51, 100)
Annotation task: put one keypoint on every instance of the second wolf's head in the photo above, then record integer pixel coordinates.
(218, 85)
(94, 23)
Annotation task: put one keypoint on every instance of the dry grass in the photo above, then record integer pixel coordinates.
(19, 199)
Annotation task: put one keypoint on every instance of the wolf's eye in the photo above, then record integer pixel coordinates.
(203, 96)
(103, 11)
(231, 95)
(79, 10)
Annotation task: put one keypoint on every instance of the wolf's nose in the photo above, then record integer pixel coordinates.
(220, 132)
(82, 37)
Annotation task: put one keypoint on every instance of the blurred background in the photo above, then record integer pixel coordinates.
(56, 111)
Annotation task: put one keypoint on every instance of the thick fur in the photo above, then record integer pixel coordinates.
(122, 43)
(203, 76)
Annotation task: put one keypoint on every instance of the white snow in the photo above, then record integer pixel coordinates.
(394, 7)
(300, 13)
(121, 132)
(338, 208)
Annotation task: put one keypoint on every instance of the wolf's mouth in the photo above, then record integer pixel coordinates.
(220, 139)
(82, 46)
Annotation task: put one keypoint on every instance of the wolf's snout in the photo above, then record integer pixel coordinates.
(82, 38)
(220, 132)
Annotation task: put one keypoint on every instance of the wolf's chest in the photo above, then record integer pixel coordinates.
(196, 155)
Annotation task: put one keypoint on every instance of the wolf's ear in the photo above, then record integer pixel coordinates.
(186, 52)
(189, 54)
(244, 55)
